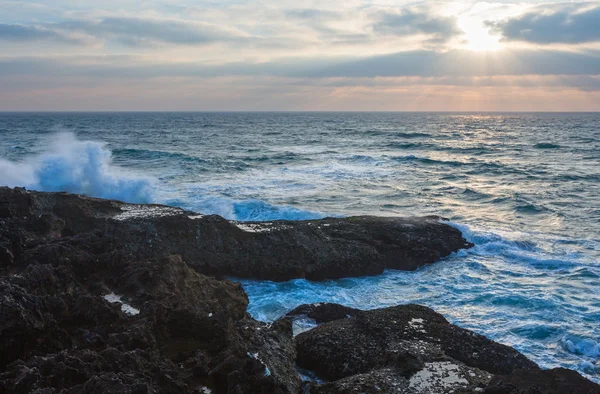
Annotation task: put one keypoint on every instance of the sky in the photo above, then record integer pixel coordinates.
(283, 55)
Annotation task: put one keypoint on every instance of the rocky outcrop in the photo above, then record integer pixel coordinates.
(553, 381)
(135, 326)
(49, 223)
(99, 296)
(412, 349)
(83, 311)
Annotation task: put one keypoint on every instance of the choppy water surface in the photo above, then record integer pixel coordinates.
(525, 188)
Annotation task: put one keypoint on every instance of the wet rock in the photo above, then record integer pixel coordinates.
(382, 337)
(553, 381)
(278, 250)
(407, 348)
(80, 312)
(443, 377)
(412, 349)
(322, 312)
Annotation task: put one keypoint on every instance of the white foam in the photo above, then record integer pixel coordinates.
(583, 346)
(302, 324)
(257, 357)
(125, 308)
(82, 167)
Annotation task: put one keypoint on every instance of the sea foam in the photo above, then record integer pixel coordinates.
(75, 166)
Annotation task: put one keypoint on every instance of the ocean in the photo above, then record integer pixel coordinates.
(525, 188)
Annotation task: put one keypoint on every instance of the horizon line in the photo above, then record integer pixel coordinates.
(288, 111)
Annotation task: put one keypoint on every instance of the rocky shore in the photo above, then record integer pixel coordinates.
(99, 296)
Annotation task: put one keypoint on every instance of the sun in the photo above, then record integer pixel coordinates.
(477, 35)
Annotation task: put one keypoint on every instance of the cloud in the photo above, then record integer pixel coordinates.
(23, 33)
(143, 31)
(421, 63)
(426, 63)
(311, 14)
(413, 21)
(271, 28)
(572, 23)
(125, 30)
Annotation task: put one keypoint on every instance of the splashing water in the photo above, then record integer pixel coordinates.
(82, 167)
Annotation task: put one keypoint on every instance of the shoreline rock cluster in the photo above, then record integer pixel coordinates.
(99, 296)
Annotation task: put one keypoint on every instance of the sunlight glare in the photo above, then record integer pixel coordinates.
(477, 35)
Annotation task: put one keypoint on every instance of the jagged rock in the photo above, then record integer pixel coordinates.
(443, 377)
(534, 381)
(407, 346)
(375, 339)
(80, 313)
(99, 296)
(412, 349)
(278, 250)
(322, 312)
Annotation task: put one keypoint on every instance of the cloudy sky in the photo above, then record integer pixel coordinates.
(290, 55)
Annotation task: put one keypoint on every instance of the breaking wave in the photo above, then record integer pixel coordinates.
(75, 166)
(86, 167)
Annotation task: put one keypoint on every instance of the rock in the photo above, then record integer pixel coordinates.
(278, 250)
(553, 381)
(402, 347)
(81, 313)
(99, 296)
(377, 338)
(322, 312)
(169, 330)
(412, 349)
(442, 377)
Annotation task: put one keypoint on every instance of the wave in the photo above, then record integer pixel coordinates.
(250, 210)
(451, 163)
(148, 154)
(86, 167)
(82, 167)
(546, 145)
(474, 194)
(363, 159)
(582, 346)
(403, 145)
(411, 135)
(526, 253)
(532, 209)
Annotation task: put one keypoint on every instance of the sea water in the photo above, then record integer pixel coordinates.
(524, 188)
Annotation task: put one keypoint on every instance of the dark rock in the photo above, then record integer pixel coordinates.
(436, 377)
(375, 339)
(322, 312)
(412, 349)
(99, 296)
(278, 250)
(533, 381)
(80, 312)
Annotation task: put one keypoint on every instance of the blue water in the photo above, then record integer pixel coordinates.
(525, 188)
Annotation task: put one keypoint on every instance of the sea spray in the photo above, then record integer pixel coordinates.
(75, 166)
(86, 167)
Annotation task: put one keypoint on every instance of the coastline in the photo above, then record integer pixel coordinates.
(172, 324)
